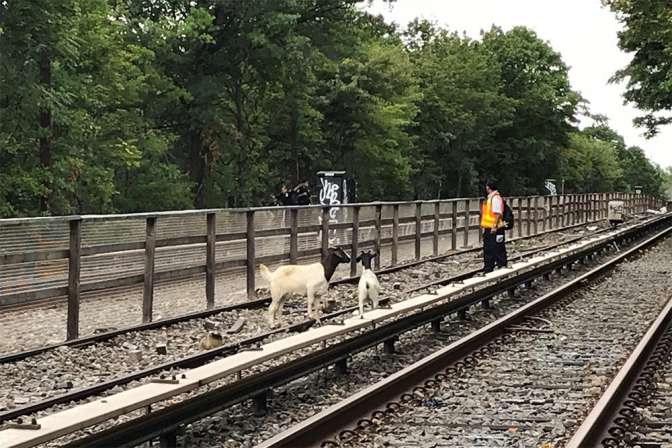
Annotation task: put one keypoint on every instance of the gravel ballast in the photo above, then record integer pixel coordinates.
(301, 399)
(55, 372)
(534, 387)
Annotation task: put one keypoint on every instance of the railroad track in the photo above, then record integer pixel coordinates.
(526, 379)
(634, 411)
(254, 385)
(79, 380)
(108, 334)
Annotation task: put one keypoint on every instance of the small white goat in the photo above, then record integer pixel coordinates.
(306, 280)
(369, 288)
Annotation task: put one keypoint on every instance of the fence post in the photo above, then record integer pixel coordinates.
(148, 291)
(211, 247)
(355, 241)
(379, 231)
(626, 202)
(579, 208)
(589, 207)
(544, 213)
(437, 220)
(572, 209)
(535, 215)
(520, 217)
(453, 232)
(395, 234)
(467, 219)
(596, 207)
(582, 208)
(418, 229)
(579, 200)
(325, 231)
(528, 216)
(480, 211)
(74, 269)
(251, 255)
(293, 235)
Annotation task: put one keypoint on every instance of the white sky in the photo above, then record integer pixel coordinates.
(581, 30)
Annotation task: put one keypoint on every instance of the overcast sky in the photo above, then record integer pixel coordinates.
(581, 30)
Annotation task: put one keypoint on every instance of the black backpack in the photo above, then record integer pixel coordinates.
(507, 216)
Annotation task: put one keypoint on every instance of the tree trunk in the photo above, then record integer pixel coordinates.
(293, 142)
(458, 189)
(197, 168)
(45, 123)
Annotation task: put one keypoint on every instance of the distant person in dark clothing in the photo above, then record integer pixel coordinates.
(286, 196)
(302, 192)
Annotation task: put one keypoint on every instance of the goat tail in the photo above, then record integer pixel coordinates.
(265, 272)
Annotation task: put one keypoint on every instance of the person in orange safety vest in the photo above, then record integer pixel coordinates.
(494, 244)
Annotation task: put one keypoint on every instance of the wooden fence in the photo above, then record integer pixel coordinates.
(63, 257)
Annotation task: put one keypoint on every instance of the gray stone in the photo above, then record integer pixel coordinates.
(210, 324)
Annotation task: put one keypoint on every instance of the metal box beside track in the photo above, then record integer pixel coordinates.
(615, 213)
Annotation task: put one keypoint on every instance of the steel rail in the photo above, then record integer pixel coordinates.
(607, 422)
(166, 421)
(348, 412)
(228, 349)
(258, 303)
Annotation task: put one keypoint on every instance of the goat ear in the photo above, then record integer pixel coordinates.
(374, 255)
(358, 259)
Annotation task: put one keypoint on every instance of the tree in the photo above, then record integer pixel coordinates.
(536, 80)
(138, 105)
(638, 170)
(461, 109)
(667, 173)
(589, 164)
(647, 34)
(73, 121)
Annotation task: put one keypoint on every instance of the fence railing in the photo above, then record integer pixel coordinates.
(64, 257)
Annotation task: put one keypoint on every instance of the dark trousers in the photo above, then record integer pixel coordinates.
(493, 252)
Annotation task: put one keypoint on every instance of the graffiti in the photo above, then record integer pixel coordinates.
(329, 196)
(550, 186)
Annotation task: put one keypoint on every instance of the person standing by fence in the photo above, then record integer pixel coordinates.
(492, 224)
(286, 197)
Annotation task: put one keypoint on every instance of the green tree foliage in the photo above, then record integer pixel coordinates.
(667, 186)
(636, 168)
(73, 95)
(589, 164)
(535, 79)
(461, 109)
(647, 34)
(136, 105)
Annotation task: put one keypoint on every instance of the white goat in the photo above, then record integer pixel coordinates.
(369, 288)
(306, 280)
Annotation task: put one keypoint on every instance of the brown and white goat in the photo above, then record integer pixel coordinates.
(308, 280)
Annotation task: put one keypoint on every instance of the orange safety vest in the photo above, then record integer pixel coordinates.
(488, 218)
